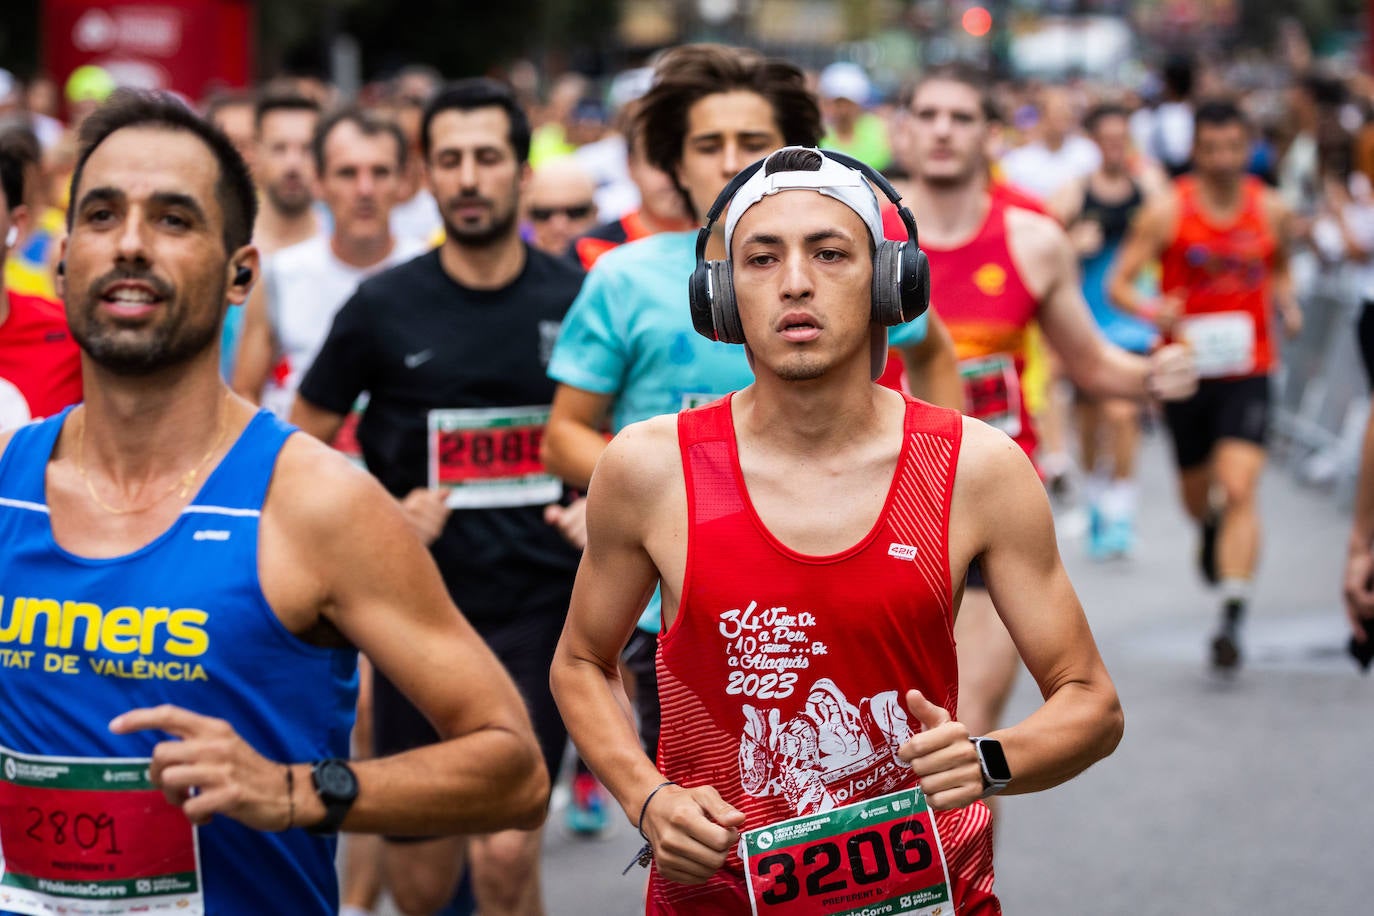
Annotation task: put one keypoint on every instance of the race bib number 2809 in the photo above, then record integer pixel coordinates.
(880, 857)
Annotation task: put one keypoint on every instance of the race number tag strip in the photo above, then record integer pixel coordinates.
(879, 857)
(992, 391)
(488, 457)
(92, 837)
(1223, 344)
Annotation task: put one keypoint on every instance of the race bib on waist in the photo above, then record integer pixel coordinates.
(488, 457)
(992, 391)
(92, 837)
(1223, 343)
(881, 857)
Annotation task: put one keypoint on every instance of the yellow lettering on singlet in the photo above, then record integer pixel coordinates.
(119, 630)
(90, 614)
(52, 628)
(188, 639)
(11, 628)
(152, 616)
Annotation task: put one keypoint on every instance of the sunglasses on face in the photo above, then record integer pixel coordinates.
(578, 211)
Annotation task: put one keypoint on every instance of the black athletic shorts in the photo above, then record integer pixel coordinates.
(974, 578)
(525, 646)
(1365, 331)
(1221, 409)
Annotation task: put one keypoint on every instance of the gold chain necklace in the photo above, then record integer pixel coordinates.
(181, 486)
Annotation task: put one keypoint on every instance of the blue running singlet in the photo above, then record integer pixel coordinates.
(183, 621)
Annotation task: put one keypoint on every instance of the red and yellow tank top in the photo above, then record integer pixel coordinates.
(783, 677)
(979, 294)
(1226, 273)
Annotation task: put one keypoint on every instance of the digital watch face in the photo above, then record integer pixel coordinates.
(995, 761)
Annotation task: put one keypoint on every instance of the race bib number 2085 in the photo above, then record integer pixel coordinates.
(879, 857)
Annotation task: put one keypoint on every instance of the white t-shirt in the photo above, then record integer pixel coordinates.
(417, 218)
(1036, 169)
(306, 285)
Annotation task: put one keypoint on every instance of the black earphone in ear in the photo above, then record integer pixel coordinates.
(901, 273)
(62, 267)
(243, 275)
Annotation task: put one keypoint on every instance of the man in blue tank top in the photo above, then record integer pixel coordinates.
(184, 586)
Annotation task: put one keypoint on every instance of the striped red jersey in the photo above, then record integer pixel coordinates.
(783, 677)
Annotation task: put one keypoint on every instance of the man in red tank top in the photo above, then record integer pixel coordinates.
(1220, 237)
(995, 267)
(811, 545)
(40, 365)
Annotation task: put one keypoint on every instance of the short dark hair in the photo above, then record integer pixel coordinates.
(961, 72)
(1099, 113)
(369, 124)
(1218, 113)
(793, 159)
(687, 74)
(227, 98)
(128, 108)
(19, 150)
(474, 93)
(1177, 76)
(280, 101)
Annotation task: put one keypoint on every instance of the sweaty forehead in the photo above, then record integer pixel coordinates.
(142, 161)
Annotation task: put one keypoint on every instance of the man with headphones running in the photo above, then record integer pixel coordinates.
(811, 534)
(627, 350)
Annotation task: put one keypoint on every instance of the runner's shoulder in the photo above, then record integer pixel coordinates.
(316, 493)
(989, 459)
(1036, 237)
(641, 461)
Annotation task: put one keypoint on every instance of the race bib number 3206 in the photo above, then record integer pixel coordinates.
(92, 838)
(879, 857)
(488, 457)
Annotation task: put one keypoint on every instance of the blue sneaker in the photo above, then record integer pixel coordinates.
(587, 809)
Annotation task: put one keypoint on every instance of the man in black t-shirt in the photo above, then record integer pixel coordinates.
(451, 349)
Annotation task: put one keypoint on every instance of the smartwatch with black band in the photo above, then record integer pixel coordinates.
(996, 773)
(337, 788)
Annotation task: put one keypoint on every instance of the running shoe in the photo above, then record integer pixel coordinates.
(1226, 644)
(587, 809)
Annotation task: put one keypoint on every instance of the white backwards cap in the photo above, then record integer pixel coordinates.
(848, 186)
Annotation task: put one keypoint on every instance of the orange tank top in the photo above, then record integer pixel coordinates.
(1225, 272)
(979, 294)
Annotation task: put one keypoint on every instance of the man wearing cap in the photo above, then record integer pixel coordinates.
(806, 532)
(850, 127)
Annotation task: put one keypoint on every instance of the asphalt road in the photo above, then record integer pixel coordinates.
(1245, 795)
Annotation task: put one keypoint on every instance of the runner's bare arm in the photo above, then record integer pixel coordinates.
(1281, 222)
(1095, 364)
(573, 440)
(999, 493)
(636, 494)
(253, 362)
(336, 544)
(317, 421)
(932, 369)
(1145, 241)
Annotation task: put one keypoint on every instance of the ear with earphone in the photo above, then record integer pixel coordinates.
(12, 237)
(901, 273)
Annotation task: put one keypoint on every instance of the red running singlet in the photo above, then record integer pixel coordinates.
(1224, 270)
(783, 677)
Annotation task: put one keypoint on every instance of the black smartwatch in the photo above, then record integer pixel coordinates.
(337, 787)
(996, 773)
